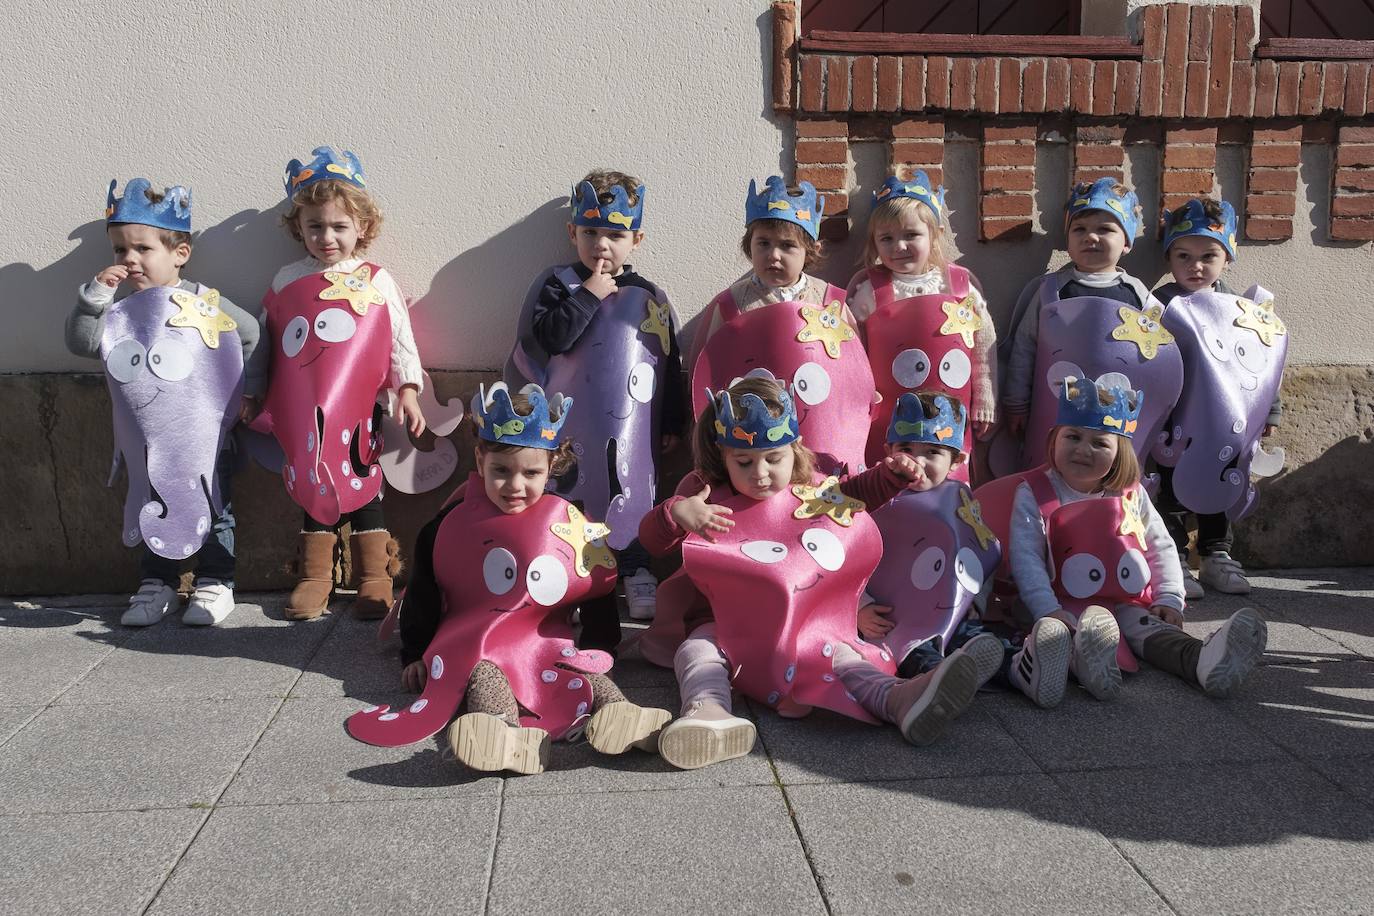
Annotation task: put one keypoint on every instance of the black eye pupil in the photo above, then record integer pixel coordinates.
(509, 573)
(939, 565)
(534, 576)
(136, 360)
(1095, 575)
(801, 383)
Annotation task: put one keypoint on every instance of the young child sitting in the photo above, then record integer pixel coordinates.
(150, 233)
(1083, 533)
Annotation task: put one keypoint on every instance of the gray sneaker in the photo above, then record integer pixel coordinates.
(1192, 588)
(1093, 661)
(153, 601)
(1232, 652)
(987, 653)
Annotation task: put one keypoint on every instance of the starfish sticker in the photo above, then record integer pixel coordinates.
(1143, 329)
(826, 499)
(1132, 523)
(356, 287)
(658, 323)
(827, 326)
(1260, 318)
(202, 312)
(587, 540)
(963, 319)
(971, 513)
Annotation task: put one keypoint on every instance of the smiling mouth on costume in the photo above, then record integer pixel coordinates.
(150, 400)
(814, 583)
(510, 610)
(315, 357)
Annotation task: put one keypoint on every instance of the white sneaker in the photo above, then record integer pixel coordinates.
(1232, 652)
(1093, 660)
(706, 734)
(641, 594)
(153, 601)
(1224, 574)
(212, 602)
(924, 706)
(987, 652)
(1192, 588)
(1041, 668)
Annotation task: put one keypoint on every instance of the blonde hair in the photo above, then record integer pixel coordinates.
(561, 459)
(355, 201)
(890, 213)
(707, 453)
(1125, 470)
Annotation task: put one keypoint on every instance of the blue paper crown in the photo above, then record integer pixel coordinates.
(804, 208)
(1100, 196)
(1088, 411)
(1195, 221)
(326, 166)
(172, 212)
(918, 187)
(497, 420)
(910, 423)
(588, 210)
(757, 428)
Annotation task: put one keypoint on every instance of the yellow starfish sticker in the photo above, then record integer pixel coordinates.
(658, 323)
(1132, 523)
(1143, 329)
(826, 325)
(963, 319)
(971, 512)
(202, 312)
(1260, 318)
(826, 499)
(587, 540)
(356, 287)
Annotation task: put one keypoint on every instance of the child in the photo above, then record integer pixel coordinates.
(778, 565)
(1199, 243)
(1083, 531)
(779, 320)
(603, 334)
(488, 611)
(151, 236)
(353, 308)
(924, 323)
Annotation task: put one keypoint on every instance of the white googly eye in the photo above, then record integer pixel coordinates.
(824, 548)
(928, 568)
(1216, 346)
(170, 360)
(547, 580)
(1058, 372)
(955, 369)
(126, 360)
(968, 569)
(764, 551)
(1250, 354)
(335, 325)
(1110, 380)
(911, 368)
(294, 337)
(1133, 572)
(811, 383)
(1083, 575)
(498, 570)
(642, 382)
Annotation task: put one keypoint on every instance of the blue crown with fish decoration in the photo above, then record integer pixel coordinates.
(756, 427)
(918, 187)
(1195, 221)
(1087, 410)
(172, 212)
(910, 423)
(588, 210)
(327, 165)
(1102, 195)
(774, 202)
(497, 420)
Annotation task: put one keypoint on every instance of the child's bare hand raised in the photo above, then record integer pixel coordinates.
(413, 676)
(113, 275)
(411, 415)
(873, 622)
(600, 284)
(698, 516)
(905, 467)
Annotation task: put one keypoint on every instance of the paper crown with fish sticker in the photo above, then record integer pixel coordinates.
(327, 165)
(754, 427)
(1081, 404)
(917, 187)
(1102, 195)
(910, 423)
(172, 212)
(774, 202)
(498, 421)
(1192, 219)
(588, 210)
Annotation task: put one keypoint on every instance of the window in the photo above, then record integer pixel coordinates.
(1343, 19)
(951, 17)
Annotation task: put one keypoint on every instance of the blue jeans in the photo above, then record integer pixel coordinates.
(214, 560)
(929, 654)
(631, 557)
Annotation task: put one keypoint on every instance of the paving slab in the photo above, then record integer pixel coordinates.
(352, 662)
(670, 852)
(99, 863)
(1315, 711)
(13, 718)
(991, 844)
(38, 665)
(1355, 774)
(1291, 638)
(409, 857)
(1265, 838)
(1338, 603)
(119, 757)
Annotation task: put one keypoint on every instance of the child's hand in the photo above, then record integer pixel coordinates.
(413, 676)
(698, 516)
(873, 622)
(113, 275)
(905, 467)
(981, 429)
(669, 443)
(1268, 430)
(249, 408)
(411, 416)
(600, 284)
(1016, 424)
(1167, 614)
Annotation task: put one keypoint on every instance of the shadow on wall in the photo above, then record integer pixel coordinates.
(50, 290)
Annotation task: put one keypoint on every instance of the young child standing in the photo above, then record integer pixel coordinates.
(341, 337)
(1083, 531)
(925, 324)
(150, 233)
(603, 334)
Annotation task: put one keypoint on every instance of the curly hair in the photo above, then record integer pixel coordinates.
(355, 201)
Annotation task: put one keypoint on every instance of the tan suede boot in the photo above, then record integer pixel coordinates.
(310, 597)
(376, 559)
